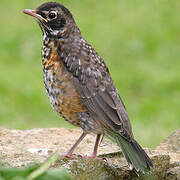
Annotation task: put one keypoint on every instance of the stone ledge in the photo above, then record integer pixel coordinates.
(19, 148)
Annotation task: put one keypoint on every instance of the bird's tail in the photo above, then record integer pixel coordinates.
(136, 157)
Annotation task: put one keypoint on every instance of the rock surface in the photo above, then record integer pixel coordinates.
(20, 148)
(172, 145)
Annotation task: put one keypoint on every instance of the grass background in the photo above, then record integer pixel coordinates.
(140, 42)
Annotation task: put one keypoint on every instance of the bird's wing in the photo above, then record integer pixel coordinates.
(95, 86)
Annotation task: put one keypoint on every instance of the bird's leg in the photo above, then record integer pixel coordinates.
(94, 154)
(69, 153)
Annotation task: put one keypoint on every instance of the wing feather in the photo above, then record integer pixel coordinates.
(96, 88)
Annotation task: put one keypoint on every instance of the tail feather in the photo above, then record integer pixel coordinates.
(136, 157)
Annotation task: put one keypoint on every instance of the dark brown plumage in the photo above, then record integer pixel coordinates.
(79, 85)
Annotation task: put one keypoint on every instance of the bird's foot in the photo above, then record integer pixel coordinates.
(71, 156)
(93, 157)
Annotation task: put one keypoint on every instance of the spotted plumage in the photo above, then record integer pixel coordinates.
(80, 87)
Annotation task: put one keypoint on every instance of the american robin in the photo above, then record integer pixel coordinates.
(80, 87)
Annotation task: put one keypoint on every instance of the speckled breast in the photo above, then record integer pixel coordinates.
(59, 86)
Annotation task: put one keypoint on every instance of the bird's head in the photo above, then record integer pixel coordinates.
(54, 19)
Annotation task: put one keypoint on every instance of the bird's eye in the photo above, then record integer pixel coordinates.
(52, 15)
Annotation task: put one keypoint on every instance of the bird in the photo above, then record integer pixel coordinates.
(80, 88)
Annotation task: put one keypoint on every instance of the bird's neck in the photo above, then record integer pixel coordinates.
(60, 44)
(51, 44)
(47, 47)
(64, 33)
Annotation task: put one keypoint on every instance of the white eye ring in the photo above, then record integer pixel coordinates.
(52, 15)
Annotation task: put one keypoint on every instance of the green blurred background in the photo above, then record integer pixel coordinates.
(140, 42)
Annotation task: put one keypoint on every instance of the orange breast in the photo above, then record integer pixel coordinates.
(61, 91)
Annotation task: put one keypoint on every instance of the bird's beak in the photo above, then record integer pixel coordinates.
(34, 13)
